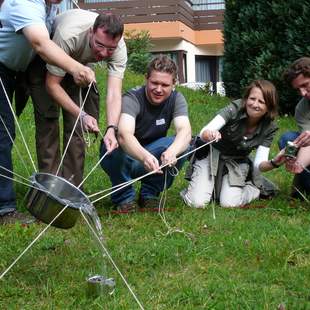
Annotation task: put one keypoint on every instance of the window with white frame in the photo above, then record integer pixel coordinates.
(207, 5)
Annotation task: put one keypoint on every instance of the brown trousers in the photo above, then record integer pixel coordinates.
(46, 113)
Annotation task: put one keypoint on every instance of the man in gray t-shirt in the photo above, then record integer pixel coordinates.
(298, 76)
(147, 113)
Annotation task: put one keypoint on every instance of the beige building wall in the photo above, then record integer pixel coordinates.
(175, 36)
(161, 30)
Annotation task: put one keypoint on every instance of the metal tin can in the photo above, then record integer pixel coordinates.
(291, 149)
(98, 285)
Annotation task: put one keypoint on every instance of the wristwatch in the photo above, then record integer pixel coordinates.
(273, 164)
(112, 126)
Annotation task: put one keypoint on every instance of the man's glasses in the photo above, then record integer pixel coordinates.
(103, 47)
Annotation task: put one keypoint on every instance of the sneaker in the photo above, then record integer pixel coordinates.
(126, 207)
(148, 204)
(16, 217)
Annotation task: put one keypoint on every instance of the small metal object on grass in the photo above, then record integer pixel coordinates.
(98, 285)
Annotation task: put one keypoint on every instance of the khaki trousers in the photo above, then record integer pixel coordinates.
(46, 114)
(200, 189)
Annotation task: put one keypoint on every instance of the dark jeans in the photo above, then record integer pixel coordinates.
(120, 167)
(7, 129)
(301, 180)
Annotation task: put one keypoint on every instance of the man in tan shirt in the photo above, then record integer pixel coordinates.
(88, 38)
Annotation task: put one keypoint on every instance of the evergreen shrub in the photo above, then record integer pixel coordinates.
(262, 38)
(138, 49)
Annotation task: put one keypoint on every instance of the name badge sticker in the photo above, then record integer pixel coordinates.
(160, 122)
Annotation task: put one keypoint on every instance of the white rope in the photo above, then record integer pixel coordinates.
(111, 260)
(15, 146)
(64, 208)
(85, 134)
(151, 172)
(44, 230)
(213, 181)
(121, 187)
(17, 124)
(73, 129)
(14, 173)
(101, 135)
(301, 194)
(305, 168)
(17, 181)
(161, 212)
(111, 188)
(32, 243)
(162, 203)
(73, 1)
(91, 171)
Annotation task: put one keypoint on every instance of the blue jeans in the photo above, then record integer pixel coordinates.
(120, 167)
(7, 194)
(301, 180)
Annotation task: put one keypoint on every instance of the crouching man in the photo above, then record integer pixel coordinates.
(147, 113)
(298, 76)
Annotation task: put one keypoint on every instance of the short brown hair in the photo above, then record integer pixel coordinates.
(269, 93)
(299, 66)
(162, 63)
(112, 24)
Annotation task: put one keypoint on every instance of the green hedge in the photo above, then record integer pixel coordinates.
(261, 39)
(138, 50)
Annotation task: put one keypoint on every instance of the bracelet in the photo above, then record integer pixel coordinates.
(273, 164)
(112, 126)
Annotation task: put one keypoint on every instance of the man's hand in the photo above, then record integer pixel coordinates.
(89, 123)
(110, 140)
(150, 163)
(303, 139)
(292, 165)
(169, 158)
(83, 76)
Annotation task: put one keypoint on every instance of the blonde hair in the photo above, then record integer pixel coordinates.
(162, 63)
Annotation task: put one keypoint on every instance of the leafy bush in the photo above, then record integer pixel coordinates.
(138, 47)
(261, 39)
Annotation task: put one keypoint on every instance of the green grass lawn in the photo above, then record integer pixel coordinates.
(210, 259)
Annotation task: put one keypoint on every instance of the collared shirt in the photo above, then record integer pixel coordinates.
(302, 114)
(15, 50)
(234, 140)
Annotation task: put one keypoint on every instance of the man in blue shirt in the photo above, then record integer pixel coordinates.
(25, 31)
